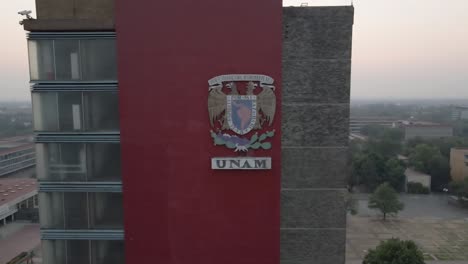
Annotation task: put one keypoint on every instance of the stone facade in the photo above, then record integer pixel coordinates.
(316, 89)
(72, 15)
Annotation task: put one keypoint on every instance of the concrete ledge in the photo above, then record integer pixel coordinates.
(69, 24)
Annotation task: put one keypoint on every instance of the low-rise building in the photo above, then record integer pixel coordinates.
(426, 130)
(458, 163)
(16, 154)
(356, 123)
(417, 177)
(459, 113)
(18, 199)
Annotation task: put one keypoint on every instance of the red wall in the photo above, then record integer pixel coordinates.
(178, 210)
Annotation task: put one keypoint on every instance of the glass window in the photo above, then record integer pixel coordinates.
(81, 210)
(51, 210)
(54, 251)
(107, 252)
(61, 162)
(78, 252)
(41, 60)
(75, 210)
(45, 111)
(104, 162)
(70, 111)
(102, 111)
(67, 62)
(64, 111)
(104, 214)
(99, 59)
(78, 162)
(83, 252)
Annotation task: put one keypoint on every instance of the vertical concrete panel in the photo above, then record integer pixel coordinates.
(316, 80)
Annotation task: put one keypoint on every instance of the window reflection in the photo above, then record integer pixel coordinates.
(76, 111)
(73, 60)
(83, 252)
(78, 162)
(72, 210)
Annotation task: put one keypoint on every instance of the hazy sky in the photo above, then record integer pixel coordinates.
(401, 48)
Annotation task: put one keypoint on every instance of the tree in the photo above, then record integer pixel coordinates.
(432, 157)
(459, 188)
(367, 169)
(439, 169)
(395, 251)
(386, 200)
(395, 174)
(422, 155)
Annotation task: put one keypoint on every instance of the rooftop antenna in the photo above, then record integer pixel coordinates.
(304, 4)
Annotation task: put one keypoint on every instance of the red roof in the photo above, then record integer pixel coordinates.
(11, 189)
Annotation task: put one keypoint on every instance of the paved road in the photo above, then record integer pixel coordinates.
(25, 239)
(433, 206)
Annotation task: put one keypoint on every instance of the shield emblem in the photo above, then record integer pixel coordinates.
(241, 113)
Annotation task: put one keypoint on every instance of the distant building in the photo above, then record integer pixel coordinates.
(402, 158)
(16, 154)
(417, 177)
(18, 200)
(459, 113)
(426, 130)
(458, 163)
(356, 123)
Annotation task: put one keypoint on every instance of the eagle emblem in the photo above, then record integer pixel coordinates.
(241, 103)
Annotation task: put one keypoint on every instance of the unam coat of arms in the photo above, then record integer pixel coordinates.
(229, 110)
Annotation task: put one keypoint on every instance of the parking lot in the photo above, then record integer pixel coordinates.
(440, 229)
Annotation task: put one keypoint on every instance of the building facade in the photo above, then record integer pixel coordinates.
(459, 113)
(356, 123)
(458, 164)
(18, 200)
(15, 159)
(413, 176)
(73, 70)
(427, 131)
(144, 131)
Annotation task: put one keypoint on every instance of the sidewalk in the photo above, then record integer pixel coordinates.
(25, 239)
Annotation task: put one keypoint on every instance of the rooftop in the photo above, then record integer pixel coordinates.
(12, 189)
(9, 145)
(410, 172)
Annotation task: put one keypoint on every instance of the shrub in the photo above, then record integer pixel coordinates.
(417, 188)
(395, 251)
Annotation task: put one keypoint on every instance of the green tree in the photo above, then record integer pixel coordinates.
(394, 174)
(422, 155)
(439, 169)
(367, 169)
(386, 200)
(395, 251)
(373, 131)
(459, 188)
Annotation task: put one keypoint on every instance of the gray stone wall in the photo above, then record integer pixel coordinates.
(315, 127)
